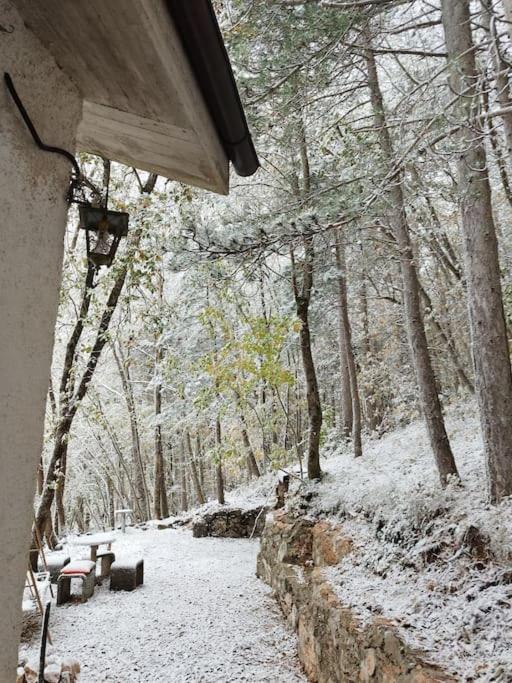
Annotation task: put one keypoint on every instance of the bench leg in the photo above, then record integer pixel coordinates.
(140, 575)
(63, 590)
(106, 563)
(88, 585)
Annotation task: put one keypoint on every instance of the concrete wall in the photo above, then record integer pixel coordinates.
(32, 223)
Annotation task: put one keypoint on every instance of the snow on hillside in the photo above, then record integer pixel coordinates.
(436, 562)
(256, 493)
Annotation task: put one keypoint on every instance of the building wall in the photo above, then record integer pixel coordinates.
(32, 223)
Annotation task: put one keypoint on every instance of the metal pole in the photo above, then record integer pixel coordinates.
(42, 655)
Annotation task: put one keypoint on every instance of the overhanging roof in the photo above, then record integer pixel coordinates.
(158, 89)
(206, 52)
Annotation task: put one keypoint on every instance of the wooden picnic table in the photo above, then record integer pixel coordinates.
(94, 541)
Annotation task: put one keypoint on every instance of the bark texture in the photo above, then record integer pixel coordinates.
(64, 424)
(493, 376)
(429, 399)
(302, 301)
(160, 503)
(346, 334)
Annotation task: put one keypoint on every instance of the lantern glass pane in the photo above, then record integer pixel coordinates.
(101, 242)
(104, 230)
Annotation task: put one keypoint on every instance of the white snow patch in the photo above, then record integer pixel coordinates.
(201, 616)
(391, 504)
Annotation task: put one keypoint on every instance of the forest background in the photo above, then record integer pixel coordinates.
(361, 278)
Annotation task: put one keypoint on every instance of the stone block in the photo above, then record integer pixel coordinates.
(329, 545)
(230, 523)
(126, 575)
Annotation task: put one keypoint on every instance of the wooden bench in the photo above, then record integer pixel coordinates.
(127, 574)
(85, 570)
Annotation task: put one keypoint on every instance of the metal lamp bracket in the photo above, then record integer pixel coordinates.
(76, 173)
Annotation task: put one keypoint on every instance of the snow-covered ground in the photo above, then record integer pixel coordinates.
(412, 563)
(201, 616)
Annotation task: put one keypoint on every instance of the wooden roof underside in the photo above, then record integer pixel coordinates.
(142, 105)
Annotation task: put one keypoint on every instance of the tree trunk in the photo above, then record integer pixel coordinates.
(111, 503)
(449, 344)
(501, 71)
(66, 388)
(496, 146)
(347, 417)
(66, 420)
(40, 476)
(200, 460)
(46, 500)
(507, 6)
(60, 515)
(160, 504)
(193, 470)
(346, 332)
(493, 376)
(429, 399)
(219, 475)
(252, 465)
(302, 301)
(138, 464)
(183, 473)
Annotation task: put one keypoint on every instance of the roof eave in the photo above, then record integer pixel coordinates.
(203, 44)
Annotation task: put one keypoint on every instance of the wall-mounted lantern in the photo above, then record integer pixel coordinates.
(103, 232)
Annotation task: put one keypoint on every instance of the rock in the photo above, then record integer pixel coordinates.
(477, 543)
(70, 666)
(230, 523)
(368, 665)
(330, 546)
(392, 646)
(282, 489)
(55, 671)
(200, 528)
(174, 522)
(52, 674)
(31, 672)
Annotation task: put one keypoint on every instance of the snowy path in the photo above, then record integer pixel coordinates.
(201, 616)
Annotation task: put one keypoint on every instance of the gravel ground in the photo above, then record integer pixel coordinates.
(202, 616)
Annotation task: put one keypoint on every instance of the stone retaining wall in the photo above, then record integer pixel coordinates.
(333, 645)
(230, 523)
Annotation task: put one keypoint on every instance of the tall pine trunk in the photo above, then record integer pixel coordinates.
(65, 422)
(429, 398)
(219, 474)
(302, 295)
(160, 503)
(346, 332)
(141, 487)
(193, 470)
(252, 466)
(501, 70)
(493, 376)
